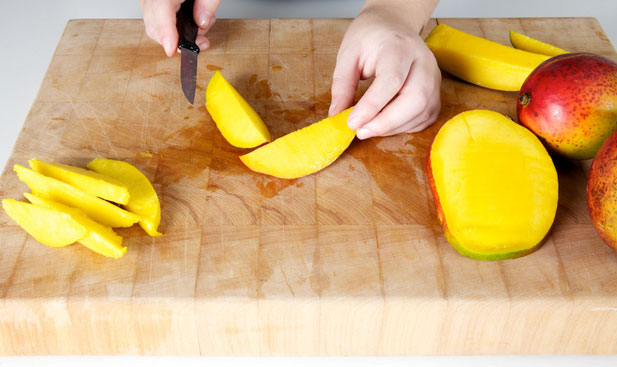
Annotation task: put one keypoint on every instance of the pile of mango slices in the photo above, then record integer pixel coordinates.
(70, 204)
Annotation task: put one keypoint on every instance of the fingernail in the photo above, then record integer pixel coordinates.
(363, 133)
(353, 122)
(167, 46)
(204, 45)
(204, 19)
(332, 109)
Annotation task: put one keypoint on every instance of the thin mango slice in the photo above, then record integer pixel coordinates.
(304, 151)
(480, 61)
(88, 181)
(240, 125)
(98, 209)
(494, 184)
(143, 199)
(50, 227)
(99, 238)
(526, 43)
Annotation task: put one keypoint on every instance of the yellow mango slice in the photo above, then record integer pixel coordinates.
(50, 227)
(526, 43)
(494, 185)
(304, 151)
(234, 117)
(144, 201)
(87, 181)
(99, 238)
(98, 209)
(480, 61)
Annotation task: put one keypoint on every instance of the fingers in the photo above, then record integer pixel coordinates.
(415, 108)
(390, 74)
(344, 80)
(160, 22)
(203, 12)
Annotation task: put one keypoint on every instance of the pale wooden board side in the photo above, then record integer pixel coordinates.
(348, 261)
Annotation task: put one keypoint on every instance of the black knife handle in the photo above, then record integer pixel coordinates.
(187, 28)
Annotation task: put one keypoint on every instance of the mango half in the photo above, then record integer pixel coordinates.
(494, 185)
(480, 61)
(303, 151)
(240, 125)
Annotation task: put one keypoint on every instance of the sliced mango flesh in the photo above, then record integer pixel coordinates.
(88, 181)
(304, 151)
(234, 117)
(526, 43)
(480, 61)
(99, 238)
(48, 226)
(98, 209)
(143, 199)
(495, 186)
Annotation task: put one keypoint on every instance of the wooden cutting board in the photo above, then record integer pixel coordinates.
(348, 261)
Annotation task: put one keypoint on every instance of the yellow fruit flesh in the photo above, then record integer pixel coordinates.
(90, 182)
(526, 43)
(48, 226)
(234, 117)
(97, 209)
(480, 61)
(304, 151)
(98, 238)
(144, 201)
(496, 183)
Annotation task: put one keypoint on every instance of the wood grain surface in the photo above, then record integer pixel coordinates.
(348, 261)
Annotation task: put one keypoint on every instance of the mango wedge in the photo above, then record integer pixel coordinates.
(480, 61)
(98, 238)
(98, 209)
(240, 125)
(304, 151)
(526, 43)
(88, 181)
(144, 201)
(50, 227)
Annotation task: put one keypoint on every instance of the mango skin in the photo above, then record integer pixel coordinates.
(602, 192)
(572, 103)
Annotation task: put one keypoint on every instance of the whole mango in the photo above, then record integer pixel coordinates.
(570, 103)
(602, 191)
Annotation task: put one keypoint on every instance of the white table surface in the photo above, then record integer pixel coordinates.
(30, 30)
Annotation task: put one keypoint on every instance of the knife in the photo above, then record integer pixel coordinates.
(187, 32)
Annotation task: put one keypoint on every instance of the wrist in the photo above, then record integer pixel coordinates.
(412, 13)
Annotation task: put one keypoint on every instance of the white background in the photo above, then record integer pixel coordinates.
(30, 30)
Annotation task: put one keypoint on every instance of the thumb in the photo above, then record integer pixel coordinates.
(345, 80)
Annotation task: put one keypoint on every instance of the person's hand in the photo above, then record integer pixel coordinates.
(384, 42)
(160, 21)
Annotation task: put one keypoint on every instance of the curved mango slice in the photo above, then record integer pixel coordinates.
(234, 117)
(88, 181)
(144, 201)
(98, 209)
(304, 151)
(99, 238)
(526, 43)
(480, 61)
(48, 226)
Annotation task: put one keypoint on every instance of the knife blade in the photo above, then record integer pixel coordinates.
(187, 32)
